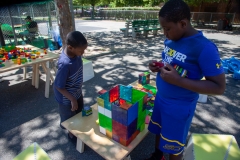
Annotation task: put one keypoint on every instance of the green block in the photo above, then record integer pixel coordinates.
(140, 105)
(140, 120)
(34, 151)
(100, 102)
(105, 122)
(142, 127)
(137, 95)
(151, 88)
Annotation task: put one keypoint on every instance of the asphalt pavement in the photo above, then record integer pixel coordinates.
(26, 116)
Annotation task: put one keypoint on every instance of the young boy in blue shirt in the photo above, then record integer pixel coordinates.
(69, 78)
(177, 96)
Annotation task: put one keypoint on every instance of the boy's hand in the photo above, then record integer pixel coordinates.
(74, 104)
(153, 67)
(169, 74)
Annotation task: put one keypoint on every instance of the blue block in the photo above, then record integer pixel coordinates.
(107, 105)
(124, 117)
(105, 96)
(126, 93)
(132, 113)
(119, 115)
(132, 128)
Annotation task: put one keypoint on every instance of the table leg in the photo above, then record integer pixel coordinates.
(33, 74)
(54, 67)
(37, 76)
(80, 145)
(47, 84)
(45, 70)
(24, 72)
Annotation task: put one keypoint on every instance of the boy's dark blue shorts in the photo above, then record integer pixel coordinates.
(171, 119)
(66, 112)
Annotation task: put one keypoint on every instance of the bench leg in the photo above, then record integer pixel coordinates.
(80, 146)
(127, 158)
(133, 34)
(145, 33)
(154, 32)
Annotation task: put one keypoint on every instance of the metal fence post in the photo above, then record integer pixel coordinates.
(210, 19)
(14, 34)
(49, 15)
(20, 15)
(233, 18)
(31, 9)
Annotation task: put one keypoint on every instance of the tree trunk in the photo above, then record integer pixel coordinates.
(65, 19)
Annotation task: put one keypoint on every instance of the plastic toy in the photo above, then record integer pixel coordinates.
(86, 111)
(13, 53)
(231, 65)
(159, 64)
(144, 78)
(122, 113)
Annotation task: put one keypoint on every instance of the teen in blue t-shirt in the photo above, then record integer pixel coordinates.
(177, 96)
(69, 78)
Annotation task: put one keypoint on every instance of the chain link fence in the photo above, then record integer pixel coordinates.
(13, 23)
(199, 18)
(118, 14)
(213, 18)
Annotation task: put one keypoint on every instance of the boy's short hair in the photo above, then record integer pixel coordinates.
(175, 10)
(76, 39)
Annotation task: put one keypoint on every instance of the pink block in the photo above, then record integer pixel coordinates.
(147, 120)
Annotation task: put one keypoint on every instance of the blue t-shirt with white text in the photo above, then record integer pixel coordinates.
(196, 54)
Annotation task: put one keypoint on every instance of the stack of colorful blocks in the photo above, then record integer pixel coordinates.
(122, 113)
(86, 111)
(144, 78)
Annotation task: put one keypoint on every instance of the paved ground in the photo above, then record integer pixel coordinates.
(27, 116)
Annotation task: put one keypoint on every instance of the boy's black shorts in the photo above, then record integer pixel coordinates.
(66, 112)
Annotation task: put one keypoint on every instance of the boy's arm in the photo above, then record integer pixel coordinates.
(73, 100)
(212, 85)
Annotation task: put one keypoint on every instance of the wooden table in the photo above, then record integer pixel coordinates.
(87, 132)
(44, 62)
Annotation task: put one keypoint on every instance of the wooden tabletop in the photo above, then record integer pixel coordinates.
(9, 65)
(87, 130)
